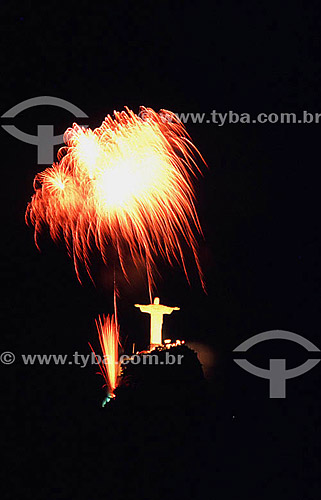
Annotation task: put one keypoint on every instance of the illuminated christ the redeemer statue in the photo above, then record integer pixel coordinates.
(156, 311)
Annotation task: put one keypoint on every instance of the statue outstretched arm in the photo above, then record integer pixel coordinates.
(143, 308)
(169, 310)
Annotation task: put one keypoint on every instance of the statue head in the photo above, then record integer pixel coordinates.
(156, 300)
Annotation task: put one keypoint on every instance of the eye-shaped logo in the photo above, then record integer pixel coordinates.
(45, 139)
(277, 374)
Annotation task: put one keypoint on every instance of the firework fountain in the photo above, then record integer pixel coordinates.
(108, 332)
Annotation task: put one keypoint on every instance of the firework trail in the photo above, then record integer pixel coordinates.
(126, 184)
(108, 333)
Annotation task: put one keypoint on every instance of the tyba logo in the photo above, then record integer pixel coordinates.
(45, 140)
(277, 373)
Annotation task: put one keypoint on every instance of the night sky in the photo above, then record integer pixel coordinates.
(259, 206)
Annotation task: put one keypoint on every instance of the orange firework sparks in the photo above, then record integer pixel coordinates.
(108, 332)
(127, 183)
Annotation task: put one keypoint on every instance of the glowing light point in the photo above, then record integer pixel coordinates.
(108, 398)
(105, 401)
(156, 311)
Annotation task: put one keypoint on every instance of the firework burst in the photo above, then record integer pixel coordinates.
(126, 184)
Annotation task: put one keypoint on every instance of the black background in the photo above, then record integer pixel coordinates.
(259, 207)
